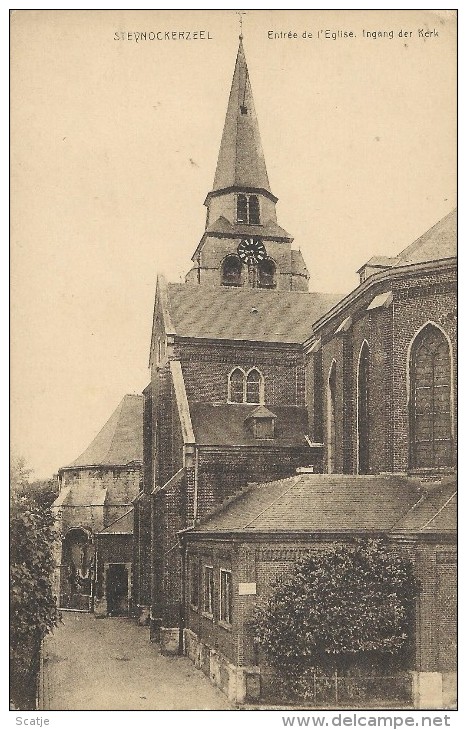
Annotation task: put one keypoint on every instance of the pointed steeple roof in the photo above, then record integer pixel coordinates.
(241, 160)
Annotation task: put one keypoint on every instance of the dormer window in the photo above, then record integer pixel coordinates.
(245, 387)
(261, 422)
(248, 209)
(267, 274)
(232, 271)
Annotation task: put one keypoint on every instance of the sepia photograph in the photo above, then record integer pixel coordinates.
(233, 470)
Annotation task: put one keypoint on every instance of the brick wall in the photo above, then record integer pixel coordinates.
(263, 561)
(221, 472)
(206, 369)
(417, 299)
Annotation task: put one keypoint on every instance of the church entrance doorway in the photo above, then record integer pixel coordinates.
(117, 589)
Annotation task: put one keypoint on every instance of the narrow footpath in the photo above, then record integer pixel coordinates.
(110, 664)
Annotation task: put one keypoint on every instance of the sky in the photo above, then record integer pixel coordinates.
(114, 148)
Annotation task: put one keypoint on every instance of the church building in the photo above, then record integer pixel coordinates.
(226, 404)
(278, 420)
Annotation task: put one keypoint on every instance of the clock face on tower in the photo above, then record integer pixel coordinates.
(251, 250)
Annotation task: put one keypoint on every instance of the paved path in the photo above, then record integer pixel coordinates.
(110, 664)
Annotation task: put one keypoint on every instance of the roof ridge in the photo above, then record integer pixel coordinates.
(438, 512)
(273, 502)
(118, 410)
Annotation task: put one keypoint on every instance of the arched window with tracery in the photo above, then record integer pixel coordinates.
(253, 386)
(267, 274)
(331, 419)
(232, 271)
(430, 400)
(236, 386)
(363, 411)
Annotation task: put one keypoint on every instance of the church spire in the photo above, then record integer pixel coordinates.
(241, 161)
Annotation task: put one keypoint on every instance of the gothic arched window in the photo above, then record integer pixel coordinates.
(232, 271)
(267, 274)
(363, 415)
(253, 386)
(236, 384)
(331, 419)
(430, 400)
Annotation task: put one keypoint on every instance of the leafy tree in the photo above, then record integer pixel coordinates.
(33, 610)
(349, 606)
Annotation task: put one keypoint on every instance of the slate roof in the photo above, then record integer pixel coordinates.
(439, 242)
(241, 160)
(435, 512)
(224, 425)
(120, 441)
(270, 229)
(318, 503)
(256, 315)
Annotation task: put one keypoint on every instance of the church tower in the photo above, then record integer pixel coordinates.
(243, 245)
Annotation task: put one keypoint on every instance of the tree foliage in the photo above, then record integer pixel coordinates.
(347, 606)
(33, 610)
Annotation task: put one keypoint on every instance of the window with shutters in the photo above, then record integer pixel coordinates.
(248, 210)
(430, 400)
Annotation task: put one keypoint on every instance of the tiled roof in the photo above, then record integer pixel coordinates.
(258, 315)
(270, 229)
(435, 512)
(439, 242)
(120, 441)
(224, 425)
(318, 503)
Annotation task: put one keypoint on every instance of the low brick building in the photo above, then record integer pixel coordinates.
(232, 558)
(96, 492)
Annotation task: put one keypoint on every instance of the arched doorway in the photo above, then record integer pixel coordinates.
(77, 569)
(430, 400)
(331, 419)
(363, 414)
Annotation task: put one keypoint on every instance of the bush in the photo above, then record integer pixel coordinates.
(33, 610)
(348, 608)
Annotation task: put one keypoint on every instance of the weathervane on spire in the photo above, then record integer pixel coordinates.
(240, 13)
